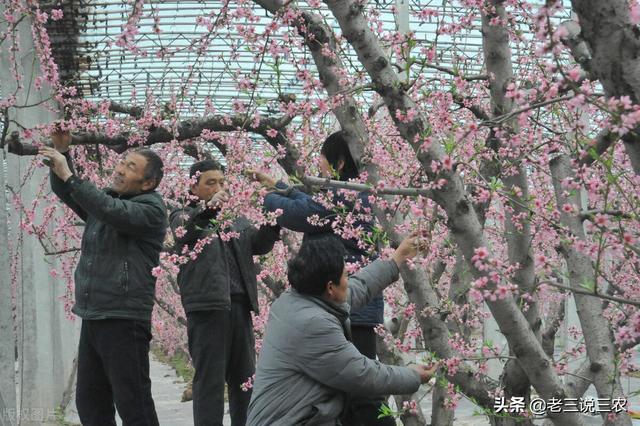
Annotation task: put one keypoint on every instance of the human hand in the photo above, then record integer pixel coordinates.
(426, 372)
(263, 178)
(218, 199)
(407, 249)
(57, 162)
(61, 140)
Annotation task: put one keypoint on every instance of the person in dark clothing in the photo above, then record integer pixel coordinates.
(125, 226)
(297, 207)
(218, 290)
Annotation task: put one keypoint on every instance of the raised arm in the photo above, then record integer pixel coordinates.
(63, 190)
(61, 142)
(373, 278)
(296, 208)
(370, 281)
(263, 239)
(133, 217)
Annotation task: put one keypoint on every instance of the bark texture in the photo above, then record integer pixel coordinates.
(497, 55)
(595, 326)
(462, 219)
(614, 44)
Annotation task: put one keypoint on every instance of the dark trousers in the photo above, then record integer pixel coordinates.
(222, 348)
(364, 411)
(113, 367)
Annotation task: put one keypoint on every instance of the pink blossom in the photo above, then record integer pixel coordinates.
(56, 14)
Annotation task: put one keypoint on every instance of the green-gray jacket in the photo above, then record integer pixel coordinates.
(306, 363)
(121, 244)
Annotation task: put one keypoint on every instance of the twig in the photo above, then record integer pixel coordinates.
(588, 293)
(455, 73)
(587, 214)
(506, 117)
(54, 253)
(325, 182)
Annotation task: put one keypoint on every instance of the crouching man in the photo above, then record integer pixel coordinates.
(124, 229)
(307, 363)
(218, 290)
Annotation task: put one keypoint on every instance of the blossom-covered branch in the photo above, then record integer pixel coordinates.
(270, 128)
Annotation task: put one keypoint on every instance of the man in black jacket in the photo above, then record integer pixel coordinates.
(218, 290)
(124, 230)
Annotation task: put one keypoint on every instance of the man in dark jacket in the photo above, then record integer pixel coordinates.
(218, 290)
(124, 229)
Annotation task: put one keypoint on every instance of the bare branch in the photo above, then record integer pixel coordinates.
(55, 253)
(592, 294)
(134, 111)
(186, 130)
(330, 183)
(589, 214)
(454, 73)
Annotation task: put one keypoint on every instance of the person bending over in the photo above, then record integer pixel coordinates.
(307, 364)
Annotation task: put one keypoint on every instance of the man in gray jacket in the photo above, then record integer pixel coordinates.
(307, 363)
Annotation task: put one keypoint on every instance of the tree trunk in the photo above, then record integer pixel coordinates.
(595, 326)
(497, 55)
(330, 68)
(614, 44)
(462, 219)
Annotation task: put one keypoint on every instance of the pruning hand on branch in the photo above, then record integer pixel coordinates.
(263, 178)
(426, 372)
(57, 161)
(61, 140)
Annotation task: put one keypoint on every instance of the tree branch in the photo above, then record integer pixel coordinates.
(330, 183)
(453, 72)
(595, 326)
(186, 130)
(463, 220)
(592, 294)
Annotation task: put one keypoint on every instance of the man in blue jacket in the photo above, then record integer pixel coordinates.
(125, 226)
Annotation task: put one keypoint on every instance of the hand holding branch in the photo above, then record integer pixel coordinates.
(426, 372)
(218, 199)
(61, 140)
(408, 248)
(57, 162)
(263, 178)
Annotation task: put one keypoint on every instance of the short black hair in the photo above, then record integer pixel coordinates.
(319, 260)
(336, 148)
(155, 167)
(204, 166)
